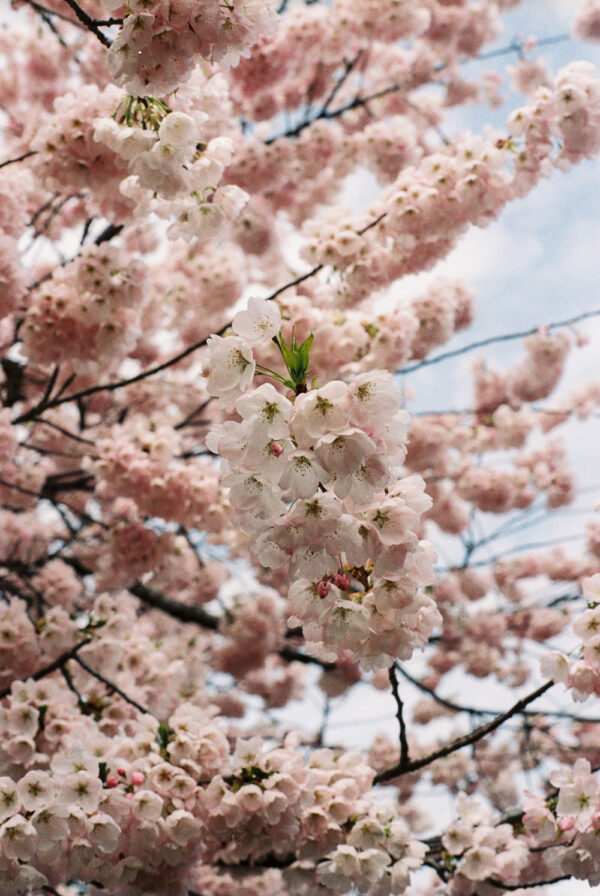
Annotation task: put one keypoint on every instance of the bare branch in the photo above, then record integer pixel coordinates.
(26, 155)
(175, 608)
(88, 22)
(404, 754)
(475, 735)
(492, 340)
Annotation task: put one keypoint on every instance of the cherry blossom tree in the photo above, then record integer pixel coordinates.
(219, 504)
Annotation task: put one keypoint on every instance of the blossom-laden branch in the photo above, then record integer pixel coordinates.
(47, 402)
(56, 664)
(362, 101)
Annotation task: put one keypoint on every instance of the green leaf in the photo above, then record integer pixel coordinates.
(295, 356)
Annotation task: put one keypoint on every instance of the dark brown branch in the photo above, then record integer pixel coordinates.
(473, 711)
(81, 703)
(536, 883)
(88, 22)
(404, 754)
(26, 155)
(357, 101)
(460, 742)
(348, 66)
(47, 13)
(51, 667)
(175, 608)
(186, 613)
(108, 233)
(295, 656)
(65, 432)
(190, 417)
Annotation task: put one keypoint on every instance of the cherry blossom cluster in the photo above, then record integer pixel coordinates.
(428, 206)
(68, 158)
(581, 674)
(376, 857)
(315, 483)
(586, 24)
(91, 308)
(569, 818)
(157, 47)
(174, 173)
(481, 848)
(533, 378)
(147, 471)
(148, 156)
(91, 814)
(357, 340)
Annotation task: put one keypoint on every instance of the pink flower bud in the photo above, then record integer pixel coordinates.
(323, 589)
(137, 778)
(276, 449)
(566, 823)
(121, 771)
(112, 781)
(342, 581)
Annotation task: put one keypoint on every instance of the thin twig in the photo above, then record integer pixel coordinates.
(44, 10)
(112, 686)
(348, 66)
(491, 340)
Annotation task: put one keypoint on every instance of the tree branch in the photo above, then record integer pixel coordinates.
(492, 340)
(32, 152)
(51, 667)
(404, 754)
(537, 883)
(175, 608)
(112, 686)
(111, 387)
(186, 613)
(88, 22)
(471, 738)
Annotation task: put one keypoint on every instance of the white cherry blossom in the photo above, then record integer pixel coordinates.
(260, 321)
